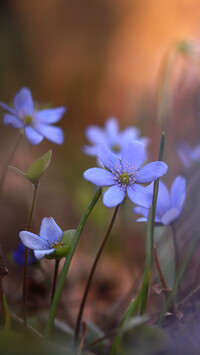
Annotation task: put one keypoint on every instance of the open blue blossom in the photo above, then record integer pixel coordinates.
(18, 255)
(188, 155)
(48, 240)
(111, 137)
(37, 124)
(124, 175)
(169, 204)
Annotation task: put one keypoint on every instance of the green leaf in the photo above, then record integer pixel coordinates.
(143, 340)
(132, 323)
(17, 170)
(37, 169)
(47, 158)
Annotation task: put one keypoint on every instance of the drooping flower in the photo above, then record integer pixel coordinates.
(48, 240)
(125, 175)
(188, 155)
(18, 255)
(111, 137)
(37, 124)
(169, 204)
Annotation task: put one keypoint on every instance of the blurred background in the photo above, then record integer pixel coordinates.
(98, 58)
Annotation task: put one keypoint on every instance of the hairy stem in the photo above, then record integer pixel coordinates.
(26, 257)
(81, 309)
(54, 279)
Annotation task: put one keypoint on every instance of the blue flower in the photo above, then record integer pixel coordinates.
(111, 137)
(48, 240)
(37, 124)
(187, 154)
(124, 175)
(18, 255)
(169, 204)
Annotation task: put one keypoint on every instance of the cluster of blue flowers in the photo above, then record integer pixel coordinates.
(120, 156)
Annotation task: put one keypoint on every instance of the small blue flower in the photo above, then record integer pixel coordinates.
(187, 155)
(111, 137)
(48, 240)
(37, 124)
(18, 255)
(124, 175)
(169, 204)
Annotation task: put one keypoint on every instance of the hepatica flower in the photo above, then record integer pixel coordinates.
(169, 204)
(37, 124)
(124, 175)
(48, 240)
(111, 137)
(187, 154)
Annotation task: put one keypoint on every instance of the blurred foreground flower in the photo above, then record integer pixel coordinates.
(169, 204)
(111, 137)
(48, 240)
(188, 155)
(37, 124)
(123, 175)
(18, 255)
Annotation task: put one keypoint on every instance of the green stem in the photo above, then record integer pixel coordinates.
(8, 162)
(92, 273)
(66, 265)
(26, 257)
(54, 279)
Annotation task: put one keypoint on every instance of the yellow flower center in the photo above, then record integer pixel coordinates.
(28, 120)
(116, 148)
(124, 177)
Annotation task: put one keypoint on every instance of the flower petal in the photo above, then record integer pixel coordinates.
(151, 172)
(13, 120)
(50, 231)
(139, 195)
(141, 210)
(23, 102)
(145, 213)
(196, 152)
(178, 192)
(95, 134)
(129, 134)
(99, 177)
(33, 241)
(39, 254)
(108, 159)
(141, 219)
(33, 136)
(8, 108)
(170, 216)
(52, 115)
(133, 153)
(54, 134)
(113, 196)
(163, 200)
(89, 150)
(112, 128)
(185, 153)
